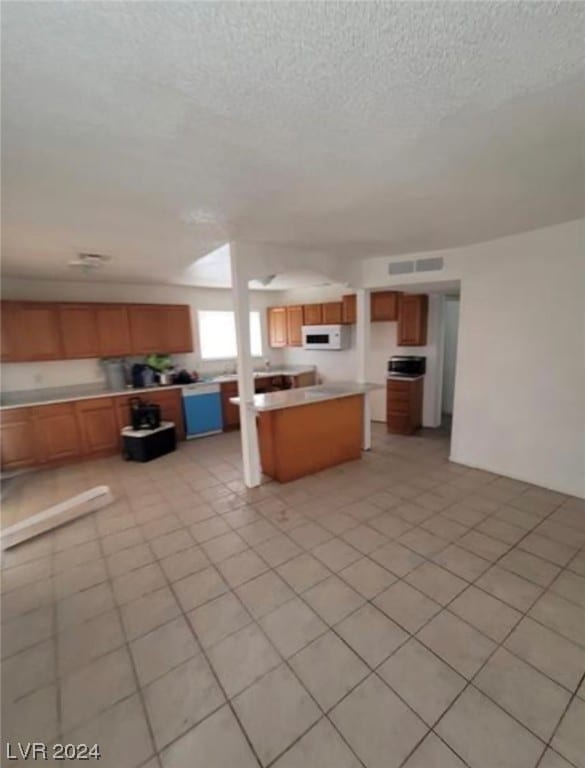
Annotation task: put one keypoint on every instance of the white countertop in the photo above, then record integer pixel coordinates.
(291, 398)
(401, 377)
(99, 389)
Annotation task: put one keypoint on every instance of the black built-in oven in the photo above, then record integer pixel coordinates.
(407, 365)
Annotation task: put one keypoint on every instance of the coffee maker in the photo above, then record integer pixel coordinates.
(144, 415)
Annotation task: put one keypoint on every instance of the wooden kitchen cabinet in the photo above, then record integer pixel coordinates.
(98, 425)
(56, 432)
(413, 320)
(8, 351)
(79, 330)
(313, 314)
(277, 326)
(332, 312)
(32, 331)
(113, 330)
(230, 412)
(384, 306)
(18, 447)
(349, 309)
(176, 332)
(404, 400)
(171, 407)
(294, 326)
(146, 330)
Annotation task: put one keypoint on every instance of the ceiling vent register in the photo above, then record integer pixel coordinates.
(433, 264)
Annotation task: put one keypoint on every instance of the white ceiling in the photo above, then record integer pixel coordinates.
(155, 132)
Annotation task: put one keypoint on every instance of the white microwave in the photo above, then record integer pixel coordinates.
(326, 336)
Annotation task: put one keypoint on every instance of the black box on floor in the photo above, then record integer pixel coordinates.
(149, 444)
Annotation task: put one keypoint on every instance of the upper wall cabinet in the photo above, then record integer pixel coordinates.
(349, 309)
(146, 329)
(113, 327)
(277, 326)
(79, 330)
(33, 331)
(294, 326)
(177, 335)
(412, 320)
(312, 314)
(51, 331)
(384, 306)
(332, 312)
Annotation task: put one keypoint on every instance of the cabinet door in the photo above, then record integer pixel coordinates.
(349, 309)
(332, 312)
(146, 329)
(57, 432)
(277, 326)
(177, 335)
(36, 334)
(171, 407)
(230, 412)
(7, 321)
(294, 325)
(313, 314)
(412, 321)
(98, 425)
(78, 324)
(384, 306)
(18, 447)
(113, 330)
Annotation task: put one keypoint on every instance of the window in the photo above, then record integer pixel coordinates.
(217, 334)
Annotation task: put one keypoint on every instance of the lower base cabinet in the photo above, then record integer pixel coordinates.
(404, 401)
(61, 433)
(99, 426)
(19, 447)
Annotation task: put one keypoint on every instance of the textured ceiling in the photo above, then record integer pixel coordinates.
(154, 132)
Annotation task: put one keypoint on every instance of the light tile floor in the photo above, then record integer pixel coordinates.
(396, 611)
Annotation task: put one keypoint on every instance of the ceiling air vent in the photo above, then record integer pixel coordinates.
(400, 267)
(429, 265)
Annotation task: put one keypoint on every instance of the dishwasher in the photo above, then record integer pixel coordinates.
(202, 409)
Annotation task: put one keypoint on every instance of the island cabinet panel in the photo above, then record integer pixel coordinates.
(98, 425)
(313, 314)
(301, 440)
(113, 330)
(146, 329)
(18, 444)
(230, 412)
(79, 330)
(384, 306)
(33, 328)
(332, 312)
(176, 323)
(404, 402)
(277, 326)
(57, 432)
(294, 326)
(413, 320)
(349, 309)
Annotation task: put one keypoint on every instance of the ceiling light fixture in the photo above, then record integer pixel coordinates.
(88, 262)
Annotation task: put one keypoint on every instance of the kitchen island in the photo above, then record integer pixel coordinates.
(302, 431)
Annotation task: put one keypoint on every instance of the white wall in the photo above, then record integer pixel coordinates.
(451, 324)
(520, 381)
(23, 376)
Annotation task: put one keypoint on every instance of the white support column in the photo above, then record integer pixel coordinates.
(249, 434)
(363, 348)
